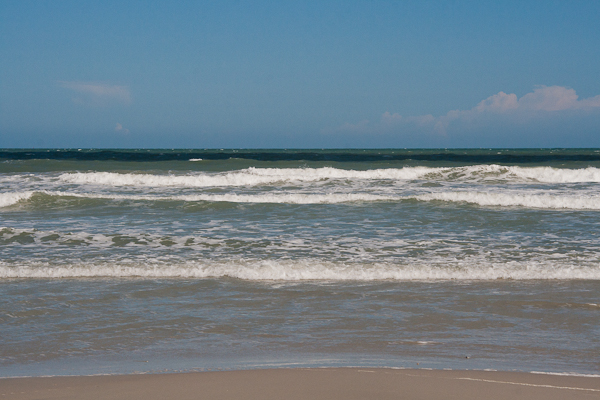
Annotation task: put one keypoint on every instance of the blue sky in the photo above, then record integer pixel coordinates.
(299, 74)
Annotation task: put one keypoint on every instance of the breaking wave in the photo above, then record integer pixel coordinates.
(541, 201)
(307, 270)
(544, 201)
(8, 199)
(245, 177)
(265, 176)
(279, 198)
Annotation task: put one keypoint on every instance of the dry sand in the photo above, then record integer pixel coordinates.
(318, 383)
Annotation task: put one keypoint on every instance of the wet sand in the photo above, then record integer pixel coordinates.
(317, 383)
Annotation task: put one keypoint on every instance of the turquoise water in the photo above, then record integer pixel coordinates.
(151, 260)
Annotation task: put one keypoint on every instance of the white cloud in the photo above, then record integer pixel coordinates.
(542, 101)
(389, 119)
(550, 98)
(119, 128)
(94, 93)
(588, 104)
(498, 103)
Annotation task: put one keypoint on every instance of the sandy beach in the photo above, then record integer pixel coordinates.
(319, 383)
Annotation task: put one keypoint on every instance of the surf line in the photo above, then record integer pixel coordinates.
(529, 384)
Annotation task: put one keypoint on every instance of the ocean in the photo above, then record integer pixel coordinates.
(129, 261)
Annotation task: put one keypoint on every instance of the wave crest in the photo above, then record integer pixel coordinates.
(541, 201)
(10, 198)
(544, 201)
(266, 176)
(307, 270)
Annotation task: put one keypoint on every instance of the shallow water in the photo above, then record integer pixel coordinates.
(112, 262)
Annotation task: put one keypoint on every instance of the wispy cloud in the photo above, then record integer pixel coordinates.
(119, 128)
(96, 93)
(542, 101)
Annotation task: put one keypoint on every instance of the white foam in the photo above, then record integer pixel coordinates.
(304, 270)
(566, 374)
(245, 177)
(8, 199)
(543, 201)
(546, 201)
(289, 198)
(516, 174)
(557, 175)
(278, 198)
(266, 176)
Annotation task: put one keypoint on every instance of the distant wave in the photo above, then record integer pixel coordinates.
(546, 201)
(266, 176)
(542, 201)
(280, 198)
(557, 175)
(508, 174)
(245, 177)
(306, 270)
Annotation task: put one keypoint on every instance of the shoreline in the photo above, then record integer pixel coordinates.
(308, 383)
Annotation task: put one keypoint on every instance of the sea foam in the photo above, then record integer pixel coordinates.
(546, 201)
(246, 177)
(268, 176)
(485, 199)
(307, 270)
(10, 198)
